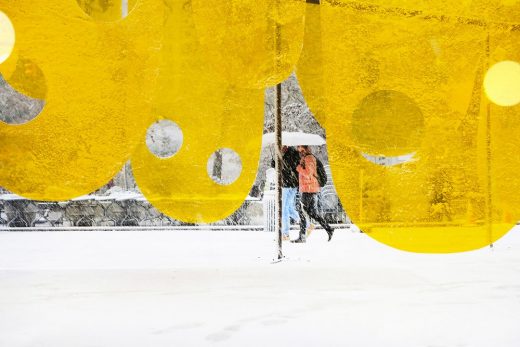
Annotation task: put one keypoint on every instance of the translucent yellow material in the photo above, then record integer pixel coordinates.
(97, 97)
(106, 10)
(212, 115)
(392, 78)
(251, 43)
(385, 78)
(476, 12)
(504, 125)
(99, 83)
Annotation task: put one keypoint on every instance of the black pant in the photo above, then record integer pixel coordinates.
(309, 203)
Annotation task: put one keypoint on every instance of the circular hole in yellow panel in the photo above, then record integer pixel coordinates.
(389, 161)
(224, 166)
(22, 95)
(502, 83)
(107, 10)
(164, 138)
(387, 123)
(15, 107)
(7, 37)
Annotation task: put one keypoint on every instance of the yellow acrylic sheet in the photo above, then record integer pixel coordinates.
(99, 79)
(383, 78)
(106, 80)
(250, 43)
(212, 114)
(390, 81)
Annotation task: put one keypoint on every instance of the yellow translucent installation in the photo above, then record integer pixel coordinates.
(390, 78)
(503, 125)
(98, 82)
(98, 75)
(250, 43)
(433, 80)
(212, 115)
(107, 10)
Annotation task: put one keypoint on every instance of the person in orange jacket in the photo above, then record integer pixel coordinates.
(309, 188)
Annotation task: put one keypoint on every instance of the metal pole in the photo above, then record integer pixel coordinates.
(278, 150)
(278, 166)
(361, 183)
(489, 188)
(278, 143)
(124, 13)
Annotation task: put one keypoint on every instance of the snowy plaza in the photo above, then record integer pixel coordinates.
(198, 288)
(259, 173)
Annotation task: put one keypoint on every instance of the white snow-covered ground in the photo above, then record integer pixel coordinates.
(197, 288)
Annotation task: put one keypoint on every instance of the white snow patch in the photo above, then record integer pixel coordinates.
(180, 288)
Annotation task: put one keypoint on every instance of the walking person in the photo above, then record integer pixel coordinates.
(309, 188)
(290, 184)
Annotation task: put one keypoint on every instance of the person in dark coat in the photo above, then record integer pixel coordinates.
(290, 184)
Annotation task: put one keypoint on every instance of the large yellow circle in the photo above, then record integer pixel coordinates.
(502, 83)
(7, 37)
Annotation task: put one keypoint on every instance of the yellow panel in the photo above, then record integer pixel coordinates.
(503, 127)
(478, 12)
(384, 78)
(393, 78)
(251, 43)
(212, 115)
(97, 97)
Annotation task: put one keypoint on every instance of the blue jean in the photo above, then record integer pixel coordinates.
(289, 209)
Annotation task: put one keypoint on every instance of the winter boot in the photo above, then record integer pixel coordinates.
(299, 240)
(330, 232)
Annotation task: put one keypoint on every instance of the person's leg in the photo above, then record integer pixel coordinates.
(310, 208)
(291, 198)
(303, 219)
(286, 223)
(309, 223)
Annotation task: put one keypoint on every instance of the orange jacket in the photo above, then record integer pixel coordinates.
(307, 175)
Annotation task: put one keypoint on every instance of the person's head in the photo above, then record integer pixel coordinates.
(303, 149)
(284, 149)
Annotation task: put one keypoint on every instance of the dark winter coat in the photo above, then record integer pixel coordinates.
(291, 159)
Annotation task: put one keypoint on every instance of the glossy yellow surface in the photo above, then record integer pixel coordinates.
(212, 115)
(250, 43)
(385, 78)
(390, 78)
(108, 79)
(98, 89)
